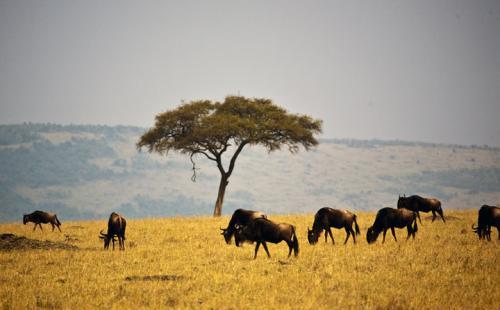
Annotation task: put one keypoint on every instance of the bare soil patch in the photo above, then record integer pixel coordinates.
(10, 242)
(163, 277)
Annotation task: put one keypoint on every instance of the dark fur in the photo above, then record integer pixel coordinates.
(392, 218)
(262, 230)
(328, 217)
(41, 217)
(116, 227)
(240, 218)
(421, 204)
(487, 216)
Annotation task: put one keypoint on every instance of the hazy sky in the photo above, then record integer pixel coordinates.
(411, 70)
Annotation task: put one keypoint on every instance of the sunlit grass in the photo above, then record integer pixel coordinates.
(185, 263)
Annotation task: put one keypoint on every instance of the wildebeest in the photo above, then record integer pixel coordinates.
(262, 230)
(487, 216)
(328, 217)
(240, 218)
(116, 227)
(417, 204)
(41, 217)
(392, 218)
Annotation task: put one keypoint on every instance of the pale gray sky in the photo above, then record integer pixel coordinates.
(411, 70)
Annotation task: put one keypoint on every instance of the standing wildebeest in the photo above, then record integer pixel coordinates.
(39, 217)
(240, 218)
(391, 218)
(328, 217)
(488, 216)
(417, 204)
(262, 230)
(116, 227)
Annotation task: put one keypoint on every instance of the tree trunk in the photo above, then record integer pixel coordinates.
(220, 196)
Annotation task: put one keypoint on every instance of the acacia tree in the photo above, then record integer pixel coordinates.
(211, 129)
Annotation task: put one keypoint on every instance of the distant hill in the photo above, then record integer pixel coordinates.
(84, 172)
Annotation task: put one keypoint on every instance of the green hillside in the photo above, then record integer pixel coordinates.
(85, 172)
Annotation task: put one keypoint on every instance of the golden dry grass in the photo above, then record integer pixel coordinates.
(184, 263)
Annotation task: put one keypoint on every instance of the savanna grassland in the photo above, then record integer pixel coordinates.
(185, 263)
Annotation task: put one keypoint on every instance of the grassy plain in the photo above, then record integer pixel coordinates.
(184, 263)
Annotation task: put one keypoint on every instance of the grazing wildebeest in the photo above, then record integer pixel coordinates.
(116, 227)
(392, 218)
(328, 217)
(262, 230)
(417, 204)
(487, 216)
(240, 218)
(40, 217)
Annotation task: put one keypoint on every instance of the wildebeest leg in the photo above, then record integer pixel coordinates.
(326, 235)
(34, 227)
(353, 234)
(441, 214)
(433, 215)
(418, 216)
(383, 239)
(329, 231)
(393, 233)
(265, 248)
(348, 234)
(59, 228)
(290, 246)
(256, 249)
(113, 242)
(409, 229)
(52, 226)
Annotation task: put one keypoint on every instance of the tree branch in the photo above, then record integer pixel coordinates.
(219, 165)
(235, 155)
(208, 156)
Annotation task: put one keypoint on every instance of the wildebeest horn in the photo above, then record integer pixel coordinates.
(102, 236)
(474, 228)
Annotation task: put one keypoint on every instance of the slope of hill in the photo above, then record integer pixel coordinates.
(87, 171)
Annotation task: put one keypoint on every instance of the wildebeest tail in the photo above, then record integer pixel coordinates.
(57, 220)
(295, 242)
(124, 226)
(356, 225)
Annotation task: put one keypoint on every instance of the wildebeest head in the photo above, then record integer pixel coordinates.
(227, 235)
(242, 234)
(25, 219)
(402, 201)
(477, 231)
(312, 236)
(106, 239)
(371, 235)
(482, 232)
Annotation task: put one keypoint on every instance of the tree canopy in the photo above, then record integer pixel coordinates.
(213, 128)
